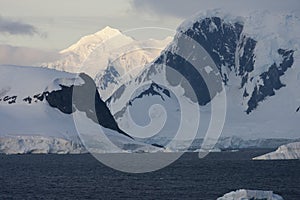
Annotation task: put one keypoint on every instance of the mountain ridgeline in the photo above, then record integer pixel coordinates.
(65, 92)
(253, 58)
(233, 51)
(86, 99)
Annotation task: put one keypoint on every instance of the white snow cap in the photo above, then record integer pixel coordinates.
(99, 36)
(271, 30)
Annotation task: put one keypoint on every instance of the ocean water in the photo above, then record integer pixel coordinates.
(83, 177)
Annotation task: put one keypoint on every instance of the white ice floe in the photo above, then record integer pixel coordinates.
(284, 152)
(250, 195)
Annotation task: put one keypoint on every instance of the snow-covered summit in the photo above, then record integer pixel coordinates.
(288, 151)
(73, 57)
(250, 195)
(108, 56)
(84, 45)
(93, 53)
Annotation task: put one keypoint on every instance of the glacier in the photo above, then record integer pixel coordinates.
(39, 145)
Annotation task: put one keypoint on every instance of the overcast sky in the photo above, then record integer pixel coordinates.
(56, 24)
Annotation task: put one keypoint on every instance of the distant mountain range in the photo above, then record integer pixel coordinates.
(124, 84)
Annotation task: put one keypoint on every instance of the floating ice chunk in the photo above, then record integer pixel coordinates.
(250, 194)
(284, 152)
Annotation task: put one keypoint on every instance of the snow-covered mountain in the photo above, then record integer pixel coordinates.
(108, 56)
(250, 194)
(42, 110)
(255, 58)
(73, 57)
(288, 151)
(37, 116)
(126, 63)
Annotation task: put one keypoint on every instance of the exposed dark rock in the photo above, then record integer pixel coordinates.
(191, 74)
(158, 145)
(117, 94)
(231, 50)
(153, 90)
(220, 43)
(109, 76)
(271, 80)
(247, 59)
(28, 99)
(6, 98)
(84, 98)
(61, 99)
(223, 44)
(245, 93)
(10, 99)
(39, 97)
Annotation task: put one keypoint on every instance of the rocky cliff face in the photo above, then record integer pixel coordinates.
(256, 59)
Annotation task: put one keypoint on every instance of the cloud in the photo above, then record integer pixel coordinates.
(176, 8)
(25, 56)
(187, 8)
(11, 27)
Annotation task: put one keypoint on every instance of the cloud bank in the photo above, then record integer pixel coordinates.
(11, 27)
(187, 8)
(25, 56)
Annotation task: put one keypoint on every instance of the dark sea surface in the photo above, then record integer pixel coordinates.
(83, 177)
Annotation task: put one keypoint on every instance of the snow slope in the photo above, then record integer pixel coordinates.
(37, 114)
(284, 152)
(108, 56)
(257, 60)
(74, 56)
(250, 194)
(126, 63)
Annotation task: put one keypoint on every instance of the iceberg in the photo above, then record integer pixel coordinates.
(284, 152)
(243, 194)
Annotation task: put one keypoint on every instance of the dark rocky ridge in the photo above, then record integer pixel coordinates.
(84, 98)
(9, 99)
(222, 44)
(271, 80)
(153, 90)
(68, 99)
